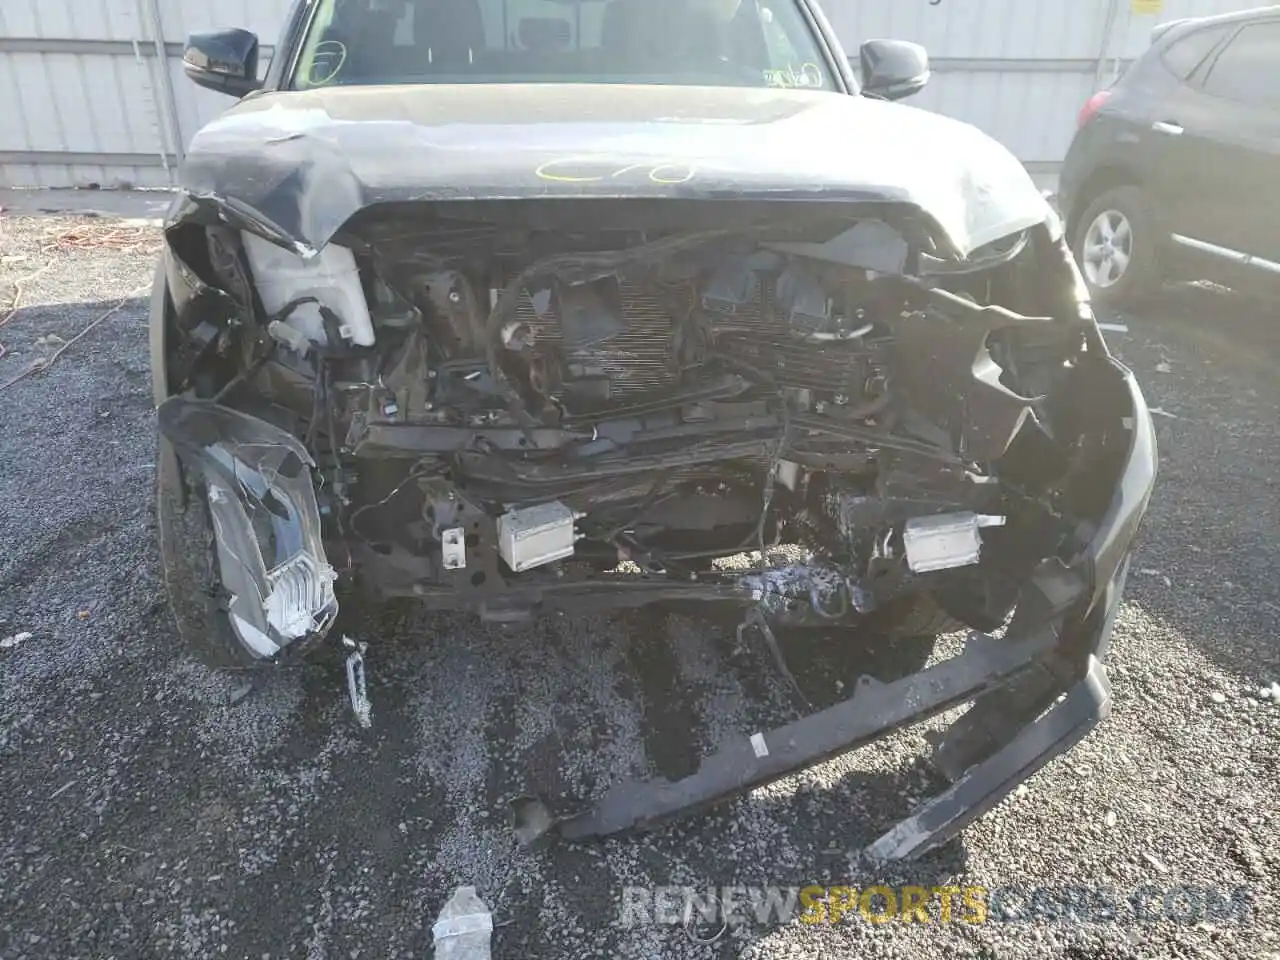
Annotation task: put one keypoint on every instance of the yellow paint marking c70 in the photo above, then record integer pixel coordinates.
(579, 170)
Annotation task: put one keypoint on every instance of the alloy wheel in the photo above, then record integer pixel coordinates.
(1108, 248)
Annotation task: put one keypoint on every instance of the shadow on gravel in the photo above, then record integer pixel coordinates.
(675, 700)
(1245, 329)
(1209, 363)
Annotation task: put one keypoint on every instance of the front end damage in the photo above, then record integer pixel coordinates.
(1036, 690)
(815, 412)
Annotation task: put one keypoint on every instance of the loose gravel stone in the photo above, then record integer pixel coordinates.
(8, 643)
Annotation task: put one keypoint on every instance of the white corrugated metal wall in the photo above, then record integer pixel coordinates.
(92, 91)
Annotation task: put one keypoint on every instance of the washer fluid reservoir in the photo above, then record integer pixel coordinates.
(331, 278)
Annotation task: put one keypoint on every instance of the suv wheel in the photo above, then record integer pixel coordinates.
(1116, 245)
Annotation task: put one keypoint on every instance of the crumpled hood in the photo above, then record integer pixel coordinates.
(303, 163)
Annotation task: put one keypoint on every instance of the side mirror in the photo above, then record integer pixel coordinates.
(893, 69)
(225, 61)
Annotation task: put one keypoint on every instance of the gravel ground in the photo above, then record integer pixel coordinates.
(141, 813)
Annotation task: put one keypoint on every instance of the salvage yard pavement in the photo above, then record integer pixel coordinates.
(149, 807)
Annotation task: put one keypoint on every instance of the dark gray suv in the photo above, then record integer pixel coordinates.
(1175, 170)
(644, 302)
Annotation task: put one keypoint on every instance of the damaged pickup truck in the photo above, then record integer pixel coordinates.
(520, 308)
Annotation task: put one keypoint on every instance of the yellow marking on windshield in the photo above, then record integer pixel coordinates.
(806, 76)
(327, 50)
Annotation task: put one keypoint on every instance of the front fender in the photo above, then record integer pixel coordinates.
(188, 315)
(161, 314)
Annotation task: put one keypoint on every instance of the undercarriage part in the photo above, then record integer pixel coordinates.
(535, 536)
(875, 711)
(453, 548)
(785, 593)
(357, 688)
(945, 542)
(986, 665)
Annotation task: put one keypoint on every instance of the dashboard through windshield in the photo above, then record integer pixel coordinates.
(752, 43)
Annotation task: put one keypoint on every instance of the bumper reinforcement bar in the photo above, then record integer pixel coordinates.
(875, 711)
(983, 786)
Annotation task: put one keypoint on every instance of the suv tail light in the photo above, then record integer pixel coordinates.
(1092, 106)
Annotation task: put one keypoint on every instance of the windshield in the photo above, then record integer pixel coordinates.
(756, 43)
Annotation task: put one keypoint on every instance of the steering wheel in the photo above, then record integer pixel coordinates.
(327, 61)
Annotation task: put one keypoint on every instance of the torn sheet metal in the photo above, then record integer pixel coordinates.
(945, 365)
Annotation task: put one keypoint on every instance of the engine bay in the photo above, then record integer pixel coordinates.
(497, 411)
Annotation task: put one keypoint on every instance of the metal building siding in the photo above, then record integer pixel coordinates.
(69, 19)
(263, 17)
(1007, 29)
(1017, 70)
(1031, 113)
(85, 102)
(179, 18)
(74, 98)
(81, 104)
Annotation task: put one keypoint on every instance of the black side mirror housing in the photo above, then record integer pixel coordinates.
(225, 61)
(892, 69)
